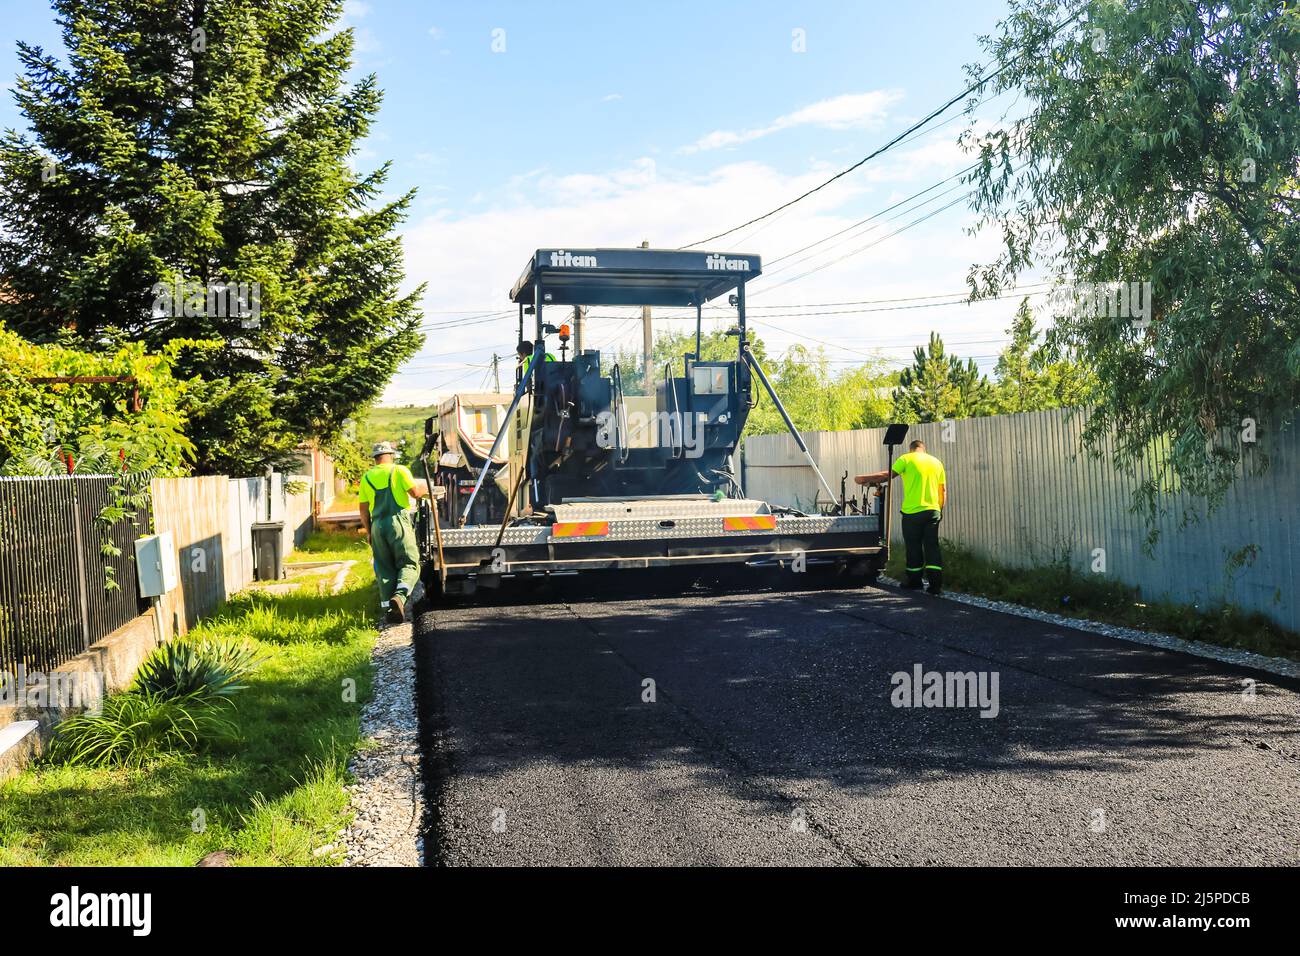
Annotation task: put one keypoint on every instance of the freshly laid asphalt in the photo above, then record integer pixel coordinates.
(771, 738)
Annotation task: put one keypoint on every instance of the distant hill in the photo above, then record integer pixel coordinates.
(383, 423)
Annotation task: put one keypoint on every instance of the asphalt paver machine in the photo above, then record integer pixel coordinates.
(597, 480)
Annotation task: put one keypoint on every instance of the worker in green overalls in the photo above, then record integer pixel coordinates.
(386, 493)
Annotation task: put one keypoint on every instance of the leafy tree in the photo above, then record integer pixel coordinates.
(190, 144)
(1159, 145)
(1032, 376)
(1020, 383)
(134, 427)
(350, 459)
(818, 399)
(938, 386)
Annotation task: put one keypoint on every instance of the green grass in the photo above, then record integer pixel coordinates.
(1062, 590)
(395, 424)
(272, 795)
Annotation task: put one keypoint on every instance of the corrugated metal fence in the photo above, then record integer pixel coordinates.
(54, 602)
(1024, 492)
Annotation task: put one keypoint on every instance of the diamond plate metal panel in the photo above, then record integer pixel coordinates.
(652, 529)
(664, 507)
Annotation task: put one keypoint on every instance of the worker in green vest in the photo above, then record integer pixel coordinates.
(524, 354)
(925, 492)
(386, 493)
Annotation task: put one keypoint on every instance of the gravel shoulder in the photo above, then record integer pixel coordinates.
(387, 797)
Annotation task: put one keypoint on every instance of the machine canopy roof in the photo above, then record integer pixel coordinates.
(632, 276)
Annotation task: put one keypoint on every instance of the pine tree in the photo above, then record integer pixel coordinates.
(187, 177)
(938, 386)
(1021, 383)
(1034, 376)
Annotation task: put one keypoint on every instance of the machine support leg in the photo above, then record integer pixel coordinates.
(798, 439)
(437, 523)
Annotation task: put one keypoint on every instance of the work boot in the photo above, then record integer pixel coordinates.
(935, 578)
(397, 608)
(912, 581)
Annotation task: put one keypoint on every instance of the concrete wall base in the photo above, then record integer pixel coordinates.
(108, 667)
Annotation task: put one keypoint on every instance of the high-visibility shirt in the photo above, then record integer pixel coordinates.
(379, 477)
(529, 363)
(923, 475)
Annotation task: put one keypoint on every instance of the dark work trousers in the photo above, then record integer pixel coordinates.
(921, 537)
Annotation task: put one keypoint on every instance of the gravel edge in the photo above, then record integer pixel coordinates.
(1225, 655)
(387, 799)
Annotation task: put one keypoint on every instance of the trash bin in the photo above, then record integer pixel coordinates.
(268, 550)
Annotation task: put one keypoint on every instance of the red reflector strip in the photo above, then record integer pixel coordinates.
(750, 523)
(580, 529)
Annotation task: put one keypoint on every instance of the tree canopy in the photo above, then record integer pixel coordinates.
(1154, 174)
(187, 177)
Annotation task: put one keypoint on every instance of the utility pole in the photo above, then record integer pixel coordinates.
(647, 339)
(496, 370)
(579, 315)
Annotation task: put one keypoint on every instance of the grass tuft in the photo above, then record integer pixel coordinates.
(138, 727)
(1059, 588)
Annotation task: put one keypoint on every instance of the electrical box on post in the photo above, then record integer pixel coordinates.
(155, 562)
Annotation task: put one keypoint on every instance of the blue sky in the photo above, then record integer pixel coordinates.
(602, 124)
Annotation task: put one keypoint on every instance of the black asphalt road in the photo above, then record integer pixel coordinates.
(771, 738)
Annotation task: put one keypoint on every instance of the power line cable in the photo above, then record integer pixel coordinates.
(893, 142)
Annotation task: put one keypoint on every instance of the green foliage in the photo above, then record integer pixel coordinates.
(1057, 586)
(137, 727)
(187, 144)
(819, 399)
(403, 426)
(202, 670)
(1032, 377)
(1159, 143)
(938, 386)
(274, 795)
(350, 461)
(97, 424)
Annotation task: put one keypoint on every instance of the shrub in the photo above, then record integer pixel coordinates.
(139, 726)
(203, 670)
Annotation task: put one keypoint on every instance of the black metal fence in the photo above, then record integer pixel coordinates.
(54, 598)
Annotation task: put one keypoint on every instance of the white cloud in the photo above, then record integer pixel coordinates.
(363, 38)
(611, 97)
(471, 259)
(849, 111)
(435, 32)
